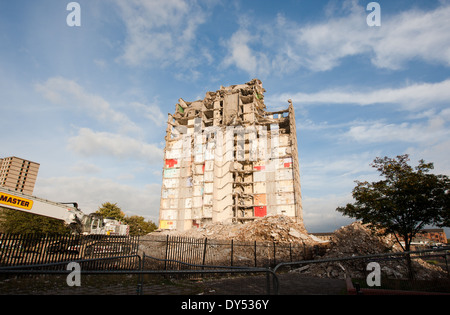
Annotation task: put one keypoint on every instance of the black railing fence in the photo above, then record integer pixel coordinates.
(167, 251)
(35, 249)
(175, 265)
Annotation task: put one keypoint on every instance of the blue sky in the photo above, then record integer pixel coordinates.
(90, 102)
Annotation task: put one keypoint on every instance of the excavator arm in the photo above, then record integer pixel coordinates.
(14, 200)
(79, 222)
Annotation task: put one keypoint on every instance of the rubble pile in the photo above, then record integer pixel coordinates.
(278, 228)
(355, 239)
(358, 239)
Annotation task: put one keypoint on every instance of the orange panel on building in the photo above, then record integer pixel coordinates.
(260, 200)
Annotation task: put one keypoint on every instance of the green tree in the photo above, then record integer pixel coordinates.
(111, 210)
(20, 222)
(404, 202)
(138, 225)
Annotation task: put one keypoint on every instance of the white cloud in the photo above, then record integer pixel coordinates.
(320, 215)
(160, 31)
(437, 153)
(242, 56)
(152, 112)
(414, 34)
(91, 143)
(67, 92)
(412, 97)
(336, 173)
(85, 168)
(420, 133)
(91, 192)
(402, 37)
(320, 46)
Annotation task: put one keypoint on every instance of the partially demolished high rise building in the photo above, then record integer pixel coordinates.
(227, 159)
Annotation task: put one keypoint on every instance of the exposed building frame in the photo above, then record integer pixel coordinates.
(227, 159)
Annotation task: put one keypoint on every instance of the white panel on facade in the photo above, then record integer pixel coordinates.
(169, 193)
(207, 200)
(165, 203)
(285, 198)
(288, 210)
(284, 174)
(173, 153)
(197, 201)
(259, 188)
(168, 215)
(207, 211)
(284, 140)
(170, 182)
(209, 176)
(284, 186)
(196, 213)
(209, 165)
(171, 172)
(282, 151)
(173, 203)
(209, 154)
(197, 191)
(209, 188)
(198, 180)
(199, 169)
(259, 176)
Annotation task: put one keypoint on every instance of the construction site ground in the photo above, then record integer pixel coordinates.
(289, 284)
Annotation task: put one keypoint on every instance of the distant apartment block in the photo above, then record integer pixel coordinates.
(18, 174)
(227, 160)
(433, 235)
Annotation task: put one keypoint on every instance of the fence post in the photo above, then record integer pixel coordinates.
(204, 251)
(255, 253)
(274, 255)
(290, 251)
(141, 275)
(446, 263)
(231, 252)
(167, 250)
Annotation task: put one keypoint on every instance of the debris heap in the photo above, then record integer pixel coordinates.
(278, 228)
(358, 239)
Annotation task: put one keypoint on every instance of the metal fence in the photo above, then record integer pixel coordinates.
(167, 251)
(52, 278)
(32, 249)
(421, 272)
(286, 278)
(188, 266)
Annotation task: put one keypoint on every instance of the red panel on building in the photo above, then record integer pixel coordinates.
(171, 163)
(260, 211)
